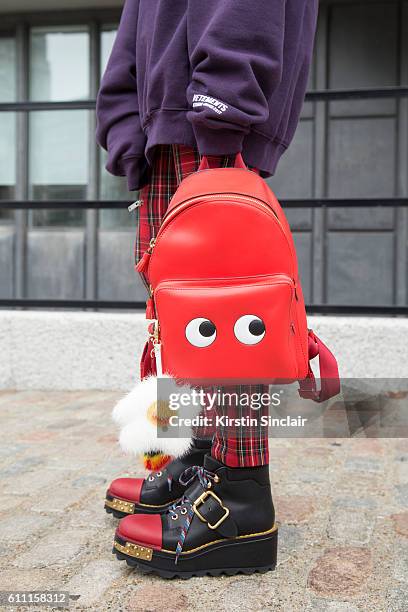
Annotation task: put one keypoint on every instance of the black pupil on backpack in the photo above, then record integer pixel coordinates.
(207, 329)
(257, 327)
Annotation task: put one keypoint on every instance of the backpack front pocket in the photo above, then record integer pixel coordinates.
(236, 328)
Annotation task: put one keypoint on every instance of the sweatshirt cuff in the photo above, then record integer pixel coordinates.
(218, 142)
(136, 170)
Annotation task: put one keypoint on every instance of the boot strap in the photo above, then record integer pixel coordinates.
(210, 509)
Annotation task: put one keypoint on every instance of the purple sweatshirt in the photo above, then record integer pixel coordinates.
(221, 75)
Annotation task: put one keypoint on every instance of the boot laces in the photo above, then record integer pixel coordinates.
(154, 475)
(205, 478)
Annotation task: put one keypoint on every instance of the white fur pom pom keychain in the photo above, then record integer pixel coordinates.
(143, 417)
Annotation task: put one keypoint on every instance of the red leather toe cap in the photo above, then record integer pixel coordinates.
(126, 488)
(144, 529)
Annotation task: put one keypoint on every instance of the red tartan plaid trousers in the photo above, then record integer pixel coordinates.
(235, 445)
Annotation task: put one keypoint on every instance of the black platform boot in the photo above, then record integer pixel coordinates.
(159, 490)
(224, 523)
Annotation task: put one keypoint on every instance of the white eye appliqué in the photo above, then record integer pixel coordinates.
(201, 332)
(249, 329)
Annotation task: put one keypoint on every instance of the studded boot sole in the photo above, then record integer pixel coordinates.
(223, 524)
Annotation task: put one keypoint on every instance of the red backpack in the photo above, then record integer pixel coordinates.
(225, 290)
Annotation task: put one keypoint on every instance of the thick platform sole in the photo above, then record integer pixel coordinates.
(241, 555)
(122, 507)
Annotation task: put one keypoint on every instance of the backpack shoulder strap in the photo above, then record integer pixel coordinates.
(239, 163)
(329, 372)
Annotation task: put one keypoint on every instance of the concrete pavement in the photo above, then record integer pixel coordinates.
(342, 505)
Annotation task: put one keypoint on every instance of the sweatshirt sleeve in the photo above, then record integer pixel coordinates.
(235, 49)
(118, 122)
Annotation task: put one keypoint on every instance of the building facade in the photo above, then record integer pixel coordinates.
(348, 148)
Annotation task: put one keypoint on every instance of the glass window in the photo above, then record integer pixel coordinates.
(114, 188)
(59, 63)
(7, 155)
(58, 162)
(366, 57)
(58, 140)
(7, 122)
(111, 187)
(7, 69)
(108, 36)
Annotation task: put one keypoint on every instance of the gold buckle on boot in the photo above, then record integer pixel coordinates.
(201, 500)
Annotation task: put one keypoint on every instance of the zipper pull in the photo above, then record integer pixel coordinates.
(135, 205)
(150, 309)
(143, 263)
(158, 359)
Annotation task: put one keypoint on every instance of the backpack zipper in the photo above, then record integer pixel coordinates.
(212, 196)
(228, 281)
